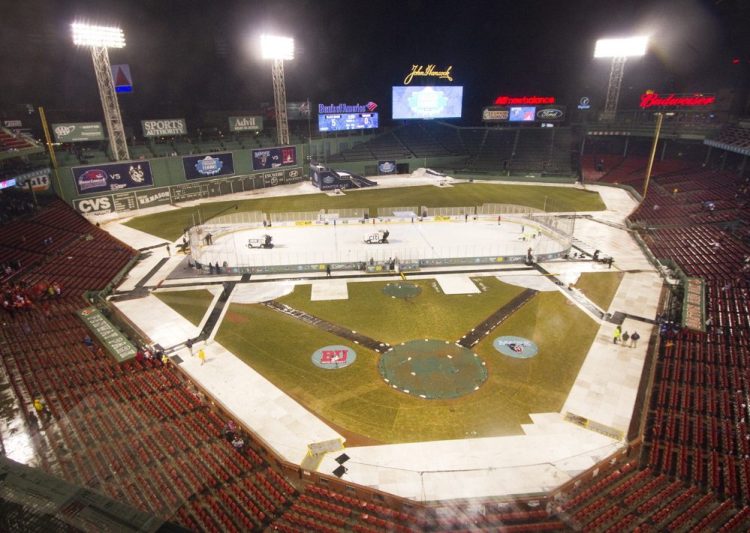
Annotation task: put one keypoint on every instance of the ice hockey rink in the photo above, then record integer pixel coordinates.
(408, 240)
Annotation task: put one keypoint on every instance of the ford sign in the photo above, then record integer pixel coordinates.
(549, 113)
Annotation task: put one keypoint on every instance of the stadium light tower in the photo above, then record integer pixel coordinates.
(100, 39)
(619, 50)
(278, 49)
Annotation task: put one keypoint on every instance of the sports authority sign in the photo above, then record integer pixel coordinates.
(517, 347)
(165, 127)
(333, 357)
(652, 99)
(72, 132)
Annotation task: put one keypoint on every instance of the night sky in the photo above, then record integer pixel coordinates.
(187, 57)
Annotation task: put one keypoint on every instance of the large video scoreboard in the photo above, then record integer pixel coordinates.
(347, 121)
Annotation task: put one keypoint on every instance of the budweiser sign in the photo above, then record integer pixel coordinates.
(524, 100)
(676, 100)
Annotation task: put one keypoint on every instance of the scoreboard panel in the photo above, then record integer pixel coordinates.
(347, 121)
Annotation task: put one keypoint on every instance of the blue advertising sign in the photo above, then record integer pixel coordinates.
(199, 167)
(348, 121)
(386, 167)
(112, 177)
(283, 156)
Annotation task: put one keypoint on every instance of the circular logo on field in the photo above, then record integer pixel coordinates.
(517, 347)
(333, 357)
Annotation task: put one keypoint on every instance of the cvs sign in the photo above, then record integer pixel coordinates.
(94, 206)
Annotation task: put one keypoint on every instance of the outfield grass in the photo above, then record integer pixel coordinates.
(191, 304)
(599, 287)
(170, 224)
(356, 398)
(432, 314)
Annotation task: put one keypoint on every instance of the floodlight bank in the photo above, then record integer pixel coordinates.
(626, 47)
(274, 47)
(97, 36)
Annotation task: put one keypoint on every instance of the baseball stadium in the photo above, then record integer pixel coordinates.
(458, 306)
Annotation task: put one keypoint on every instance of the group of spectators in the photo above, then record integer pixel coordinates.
(21, 297)
(8, 268)
(16, 299)
(233, 435)
(151, 354)
(13, 206)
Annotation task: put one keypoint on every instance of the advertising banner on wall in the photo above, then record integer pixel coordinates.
(122, 79)
(495, 114)
(164, 127)
(39, 179)
(94, 206)
(153, 197)
(387, 167)
(71, 132)
(284, 156)
(246, 123)
(199, 167)
(552, 113)
(112, 177)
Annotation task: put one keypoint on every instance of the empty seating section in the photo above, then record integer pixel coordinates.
(695, 463)
(494, 151)
(420, 141)
(693, 196)
(141, 433)
(10, 142)
(736, 138)
(542, 150)
(480, 149)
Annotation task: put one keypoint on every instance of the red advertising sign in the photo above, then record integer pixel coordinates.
(651, 99)
(524, 100)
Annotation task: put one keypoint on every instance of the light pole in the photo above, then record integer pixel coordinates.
(278, 49)
(657, 131)
(619, 50)
(99, 39)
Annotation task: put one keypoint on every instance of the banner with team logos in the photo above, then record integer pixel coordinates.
(112, 177)
(198, 167)
(386, 167)
(164, 127)
(72, 132)
(246, 123)
(265, 158)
